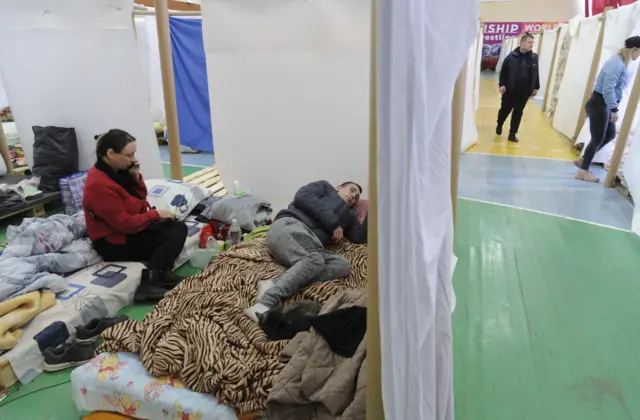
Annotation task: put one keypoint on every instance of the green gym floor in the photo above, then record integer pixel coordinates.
(544, 327)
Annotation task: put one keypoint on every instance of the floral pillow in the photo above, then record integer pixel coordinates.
(178, 197)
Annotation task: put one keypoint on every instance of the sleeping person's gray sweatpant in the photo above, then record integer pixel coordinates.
(294, 245)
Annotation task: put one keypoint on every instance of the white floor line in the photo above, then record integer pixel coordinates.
(546, 214)
(523, 157)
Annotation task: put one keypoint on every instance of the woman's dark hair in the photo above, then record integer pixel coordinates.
(113, 139)
(344, 184)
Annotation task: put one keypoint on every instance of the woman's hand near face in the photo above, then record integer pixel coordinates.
(135, 170)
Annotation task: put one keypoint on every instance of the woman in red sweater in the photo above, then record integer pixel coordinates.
(121, 223)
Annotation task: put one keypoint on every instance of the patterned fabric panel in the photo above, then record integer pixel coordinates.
(200, 333)
(563, 54)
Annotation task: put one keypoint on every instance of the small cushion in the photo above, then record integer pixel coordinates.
(178, 197)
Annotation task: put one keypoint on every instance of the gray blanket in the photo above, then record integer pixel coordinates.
(250, 211)
(39, 250)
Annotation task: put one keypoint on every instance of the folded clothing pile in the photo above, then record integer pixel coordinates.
(39, 250)
(325, 375)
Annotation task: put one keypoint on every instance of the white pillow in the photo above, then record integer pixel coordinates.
(178, 197)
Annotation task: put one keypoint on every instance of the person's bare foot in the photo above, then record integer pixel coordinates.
(578, 163)
(583, 175)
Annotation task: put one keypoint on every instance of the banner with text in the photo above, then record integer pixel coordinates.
(495, 32)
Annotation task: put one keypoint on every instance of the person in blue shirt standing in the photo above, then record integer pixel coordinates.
(602, 107)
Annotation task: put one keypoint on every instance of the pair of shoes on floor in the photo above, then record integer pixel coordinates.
(154, 284)
(81, 350)
(512, 137)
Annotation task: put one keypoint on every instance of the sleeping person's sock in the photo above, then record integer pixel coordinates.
(263, 286)
(258, 308)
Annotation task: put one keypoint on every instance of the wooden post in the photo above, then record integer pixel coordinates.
(457, 123)
(540, 43)
(169, 88)
(375, 408)
(623, 136)
(4, 151)
(593, 73)
(551, 67)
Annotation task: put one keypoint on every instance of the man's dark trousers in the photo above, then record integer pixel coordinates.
(513, 101)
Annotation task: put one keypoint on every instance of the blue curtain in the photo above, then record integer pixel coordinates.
(192, 89)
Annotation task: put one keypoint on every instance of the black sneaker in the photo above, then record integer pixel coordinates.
(498, 130)
(68, 355)
(92, 330)
(513, 138)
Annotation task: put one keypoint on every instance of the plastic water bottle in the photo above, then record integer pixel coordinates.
(213, 244)
(237, 192)
(235, 233)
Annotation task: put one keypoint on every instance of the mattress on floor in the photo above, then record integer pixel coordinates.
(192, 243)
(118, 382)
(97, 291)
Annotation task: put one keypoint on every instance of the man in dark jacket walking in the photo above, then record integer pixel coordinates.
(519, 81)
(319, 215)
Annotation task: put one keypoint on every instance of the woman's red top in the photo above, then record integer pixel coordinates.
(111, 212)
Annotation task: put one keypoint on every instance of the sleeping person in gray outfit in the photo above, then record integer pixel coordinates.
(319, 215)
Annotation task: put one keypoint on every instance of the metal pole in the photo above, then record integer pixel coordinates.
(169, 88)
(623, 136)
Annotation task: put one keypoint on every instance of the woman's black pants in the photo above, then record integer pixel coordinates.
(158, 245)
(601, 127)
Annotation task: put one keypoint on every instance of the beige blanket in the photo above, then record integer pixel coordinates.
(317, 383)
(17, 311)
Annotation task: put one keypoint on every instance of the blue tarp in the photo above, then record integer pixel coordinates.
(192, 89)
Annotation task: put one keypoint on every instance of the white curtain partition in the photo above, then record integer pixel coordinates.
(571, 92)
(74, 63)
(504, 52)
(620, 24)
(563, 30)
(144, 54)
(546, 55)
(414, 200)
(4, 101)
(289, 88)
(156, 92)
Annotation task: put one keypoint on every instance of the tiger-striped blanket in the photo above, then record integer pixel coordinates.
(200, 333)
